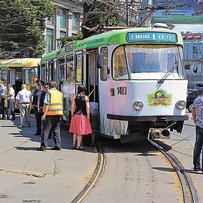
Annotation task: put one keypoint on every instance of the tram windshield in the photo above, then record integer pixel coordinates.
(146, 61)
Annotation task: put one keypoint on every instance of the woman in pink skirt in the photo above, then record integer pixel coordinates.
(80, 113)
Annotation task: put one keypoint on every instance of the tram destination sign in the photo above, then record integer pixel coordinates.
(151, 36)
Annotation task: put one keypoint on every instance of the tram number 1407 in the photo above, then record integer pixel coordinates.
(122, 90)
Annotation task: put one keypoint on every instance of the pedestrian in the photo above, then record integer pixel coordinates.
(42, 93)
(53, 110)
(80, 120)
(11, 102)
(41, 98)
(197, 114)
(2, 96)
(38, 114)
(24, 100)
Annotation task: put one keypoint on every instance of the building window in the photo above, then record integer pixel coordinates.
(50, 20)
(75, 21)
(49, 40)
(62, 15)
(62, 34)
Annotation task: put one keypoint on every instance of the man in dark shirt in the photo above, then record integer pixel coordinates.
(38, 114)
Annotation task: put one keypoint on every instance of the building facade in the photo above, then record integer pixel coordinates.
(65, 22)
(193, 57)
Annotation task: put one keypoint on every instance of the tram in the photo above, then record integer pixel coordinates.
(135, 79)
(20, 71)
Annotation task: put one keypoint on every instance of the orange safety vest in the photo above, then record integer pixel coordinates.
(56, 103)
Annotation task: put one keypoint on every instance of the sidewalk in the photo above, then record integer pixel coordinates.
(182, 146)
(29, 175)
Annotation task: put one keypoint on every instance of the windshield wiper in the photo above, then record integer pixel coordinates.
(168, 73)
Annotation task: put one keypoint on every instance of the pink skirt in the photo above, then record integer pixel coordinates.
(80, 125)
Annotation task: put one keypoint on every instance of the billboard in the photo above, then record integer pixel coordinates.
(184, 12)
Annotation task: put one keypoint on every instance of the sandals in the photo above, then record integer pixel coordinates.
(79, 148)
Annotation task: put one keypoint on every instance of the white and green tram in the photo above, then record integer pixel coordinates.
(135, 79)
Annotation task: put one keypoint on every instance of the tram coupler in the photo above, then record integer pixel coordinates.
(157, 133)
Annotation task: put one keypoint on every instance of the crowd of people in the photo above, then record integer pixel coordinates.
(47, 103)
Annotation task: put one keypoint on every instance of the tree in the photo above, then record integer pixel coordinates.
(96, 15)
(22, 25)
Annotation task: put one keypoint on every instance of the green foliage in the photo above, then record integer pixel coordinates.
(65, 40)
(22, 25)
(97, 14)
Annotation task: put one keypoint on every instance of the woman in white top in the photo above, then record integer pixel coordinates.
(11, 102)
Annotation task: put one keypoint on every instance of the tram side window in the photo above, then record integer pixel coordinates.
(34, 75)
(43, 73)
(69, 68)
(4, 75)
(61, 70)
(27, 75)
(120, 69)
(104, 71)
(79, 68)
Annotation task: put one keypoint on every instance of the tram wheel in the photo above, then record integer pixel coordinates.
(88, 140)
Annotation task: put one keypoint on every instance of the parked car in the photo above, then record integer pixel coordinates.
(191, 97)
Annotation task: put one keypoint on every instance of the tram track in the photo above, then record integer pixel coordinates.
(189, 193)
(188, 189)
(97, 171)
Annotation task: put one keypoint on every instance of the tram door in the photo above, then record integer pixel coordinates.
(92, 88)
(92, 76)
(18, 79)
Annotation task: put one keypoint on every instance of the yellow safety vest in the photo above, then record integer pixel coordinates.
(56, 103)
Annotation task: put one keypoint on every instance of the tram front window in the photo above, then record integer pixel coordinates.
(140, 59)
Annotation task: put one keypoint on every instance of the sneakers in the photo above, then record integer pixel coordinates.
(42, 148)
(197, 169)
(56, 148)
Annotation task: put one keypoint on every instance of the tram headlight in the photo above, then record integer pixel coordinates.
(181, 105)
(138, 105)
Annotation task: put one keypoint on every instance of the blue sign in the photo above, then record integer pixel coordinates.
(182, 12)
(151, 36)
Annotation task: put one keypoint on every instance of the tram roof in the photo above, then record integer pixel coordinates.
(49, 56)
(19, 62)
(58, 53)
(119, 37)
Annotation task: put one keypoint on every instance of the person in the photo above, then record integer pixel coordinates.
(41, 97)
(40, 104)
(53, 110)
(24, 100)
(197, 114)
(80, 122)
(11, 102)
(38, 114)
(2, 96)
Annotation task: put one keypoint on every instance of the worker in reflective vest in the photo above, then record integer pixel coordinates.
(53, 110)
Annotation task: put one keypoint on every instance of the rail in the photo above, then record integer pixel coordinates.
(189, 192)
